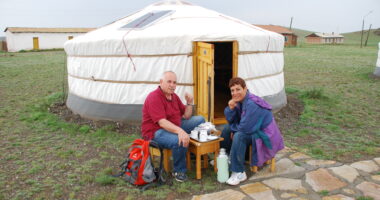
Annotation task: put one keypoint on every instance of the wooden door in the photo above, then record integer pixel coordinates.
(36, 45)
(204, 79)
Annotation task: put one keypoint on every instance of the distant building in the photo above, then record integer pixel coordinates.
(290, 37)
(324, 38)
(22, 38)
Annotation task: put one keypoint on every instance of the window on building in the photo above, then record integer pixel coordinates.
(286, 38)
(147, 19)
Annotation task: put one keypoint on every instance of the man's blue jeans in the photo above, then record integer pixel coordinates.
(237, 147)
(168, 140)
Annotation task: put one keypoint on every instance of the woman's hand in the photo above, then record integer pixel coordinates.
(232, 104)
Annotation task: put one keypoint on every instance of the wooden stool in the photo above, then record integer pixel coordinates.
(167, 153)
(202, 149)
(272, 162)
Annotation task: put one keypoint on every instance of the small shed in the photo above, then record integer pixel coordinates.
(23, 38)
(324, 38)
(289, 36)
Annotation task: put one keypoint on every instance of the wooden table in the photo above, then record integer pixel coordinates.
(203, 148)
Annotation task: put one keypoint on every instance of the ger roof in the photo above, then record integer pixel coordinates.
(172, 2)
(325, 35)
(173, 33)
(274, 28)
(47, 30)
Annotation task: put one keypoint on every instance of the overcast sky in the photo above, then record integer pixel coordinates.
(339, 16)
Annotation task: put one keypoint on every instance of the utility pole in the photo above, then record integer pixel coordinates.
(369, 30)
(291, 21)
(361, 35)
(361, 38)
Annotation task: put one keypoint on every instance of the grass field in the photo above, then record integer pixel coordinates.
(43, 157)
(341, 117)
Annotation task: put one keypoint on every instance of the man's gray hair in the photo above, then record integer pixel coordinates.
(163, 74)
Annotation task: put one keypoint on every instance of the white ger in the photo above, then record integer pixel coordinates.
(112, 69)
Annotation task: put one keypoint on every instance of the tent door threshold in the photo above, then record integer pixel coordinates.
(218, 121)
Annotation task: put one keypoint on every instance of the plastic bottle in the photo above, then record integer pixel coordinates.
(222, 164)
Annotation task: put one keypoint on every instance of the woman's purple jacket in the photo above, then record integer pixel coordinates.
(252, 116)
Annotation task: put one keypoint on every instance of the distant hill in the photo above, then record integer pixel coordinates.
(354, 37)
(301, 34)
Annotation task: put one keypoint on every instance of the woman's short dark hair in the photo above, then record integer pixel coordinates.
(237, 81)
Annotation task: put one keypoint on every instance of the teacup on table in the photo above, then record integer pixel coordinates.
(203, 136)
(194, 134)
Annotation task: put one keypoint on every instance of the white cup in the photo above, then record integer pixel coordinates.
(194, 134)
(203, 136)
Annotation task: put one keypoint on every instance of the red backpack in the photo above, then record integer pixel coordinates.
(138, 168)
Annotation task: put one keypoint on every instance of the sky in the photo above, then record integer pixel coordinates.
(338, 16)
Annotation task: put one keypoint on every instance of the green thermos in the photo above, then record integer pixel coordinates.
(222, 164)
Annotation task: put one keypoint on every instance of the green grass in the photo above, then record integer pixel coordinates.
(104, 179)
(364, 198)
(341, 115)
(323, 193)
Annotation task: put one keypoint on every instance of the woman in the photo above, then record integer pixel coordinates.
(250, 121)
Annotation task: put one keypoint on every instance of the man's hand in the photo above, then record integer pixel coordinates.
(183, 139)
(232, 104)
(189, 98)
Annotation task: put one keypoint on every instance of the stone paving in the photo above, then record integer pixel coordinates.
(299, 177)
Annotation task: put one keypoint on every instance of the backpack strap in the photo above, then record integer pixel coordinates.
(154, 144)
(160, 171)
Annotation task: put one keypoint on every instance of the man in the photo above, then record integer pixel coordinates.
(167, 121)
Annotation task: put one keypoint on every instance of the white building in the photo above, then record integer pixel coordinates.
(324, 38)
(22, 38)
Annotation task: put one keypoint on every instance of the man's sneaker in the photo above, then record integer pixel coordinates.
(236, 178)
(179, 176)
